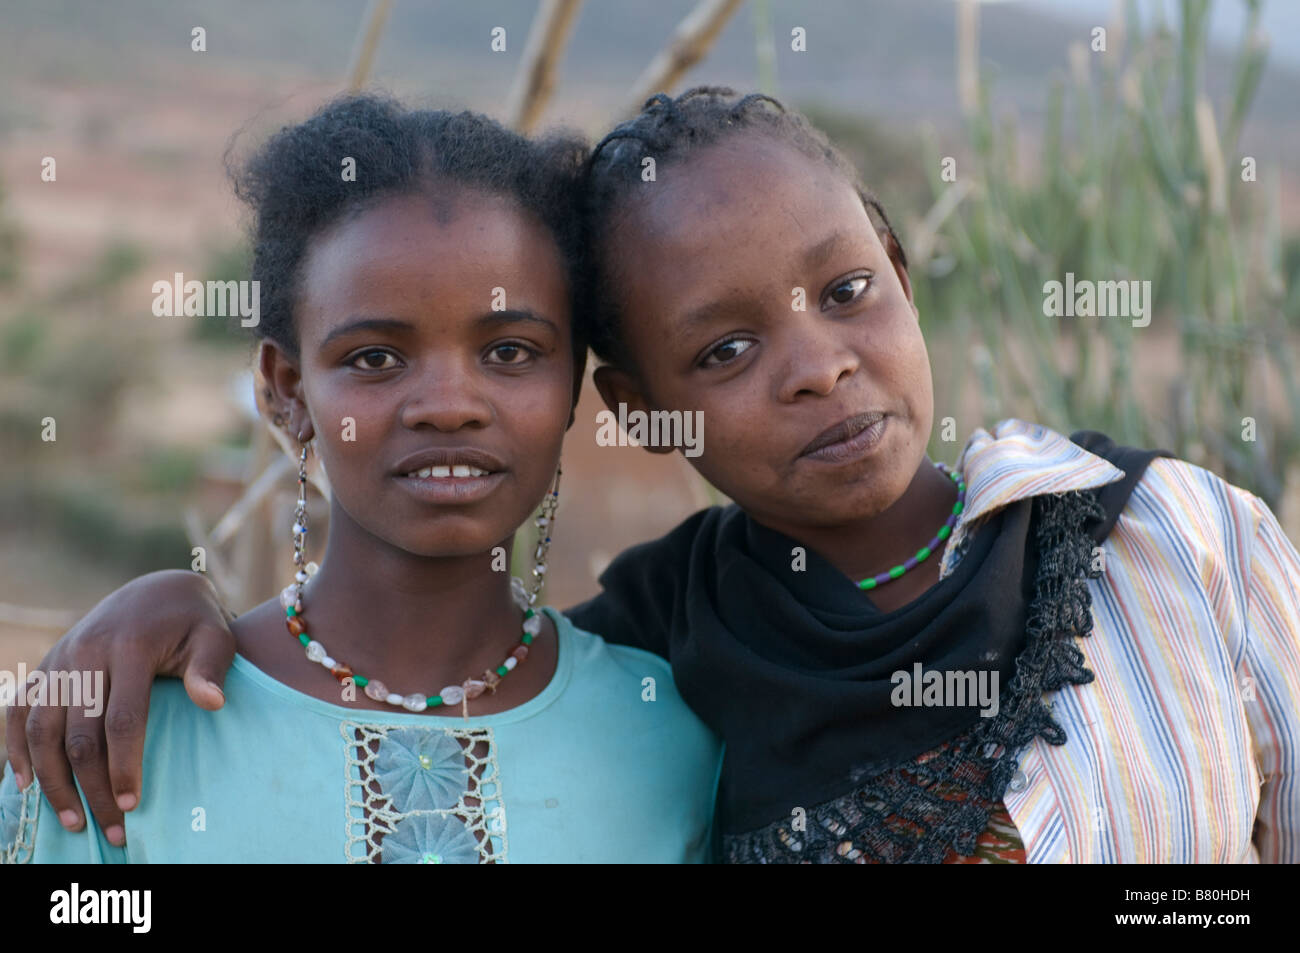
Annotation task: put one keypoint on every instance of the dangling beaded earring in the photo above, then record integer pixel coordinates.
(471, 688)
(291, 597)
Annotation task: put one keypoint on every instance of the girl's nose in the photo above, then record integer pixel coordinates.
(445, 397)
(820, 357)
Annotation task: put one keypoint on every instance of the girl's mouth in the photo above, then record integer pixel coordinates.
(462, 475)
(848, 440)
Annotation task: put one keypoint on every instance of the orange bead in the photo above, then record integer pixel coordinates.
(296, 626)
(520, 652)
(341, 671)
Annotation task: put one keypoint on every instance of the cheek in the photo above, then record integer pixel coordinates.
(351, 423)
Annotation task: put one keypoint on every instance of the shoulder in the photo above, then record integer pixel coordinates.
(1202, 500)
(593, 654)
(1186, 508)
(680, 541)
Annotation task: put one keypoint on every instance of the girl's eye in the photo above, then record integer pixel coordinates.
(849, 289)
(511, 353)
(374, 360)
(726, 351)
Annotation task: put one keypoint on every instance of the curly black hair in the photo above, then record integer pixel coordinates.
(295, 187)
(671, 130)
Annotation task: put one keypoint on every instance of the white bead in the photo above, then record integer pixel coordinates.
(298, 529)
(533, 624)
(415, 703)
(510, 663)
(312, 569)
(518, 592)
(288, 596)
(300, 576)
(394, 698)
(452, 695)
(328, 662)
(315, 651)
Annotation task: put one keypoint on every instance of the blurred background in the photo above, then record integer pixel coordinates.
(1169, 155)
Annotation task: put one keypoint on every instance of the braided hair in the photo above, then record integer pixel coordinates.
(671, 130)
(294, 187)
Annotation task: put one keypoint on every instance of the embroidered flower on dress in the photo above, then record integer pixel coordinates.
(421, 769)
(430, 839)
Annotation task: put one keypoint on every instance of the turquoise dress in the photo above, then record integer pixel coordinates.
(606, 765)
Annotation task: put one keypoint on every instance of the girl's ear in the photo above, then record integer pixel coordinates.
(283, 379)
(620, 388)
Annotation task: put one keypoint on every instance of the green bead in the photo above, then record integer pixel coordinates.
(304, 638)
(923, 554)
(896, 572)
(434, 701)
(527, 639)
(290, 611)
(957, 508)
(867, 584)
(360, 681)
(944, 532)
(529, 613)
(502, 670)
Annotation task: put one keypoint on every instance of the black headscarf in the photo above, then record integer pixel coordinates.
(794, 669)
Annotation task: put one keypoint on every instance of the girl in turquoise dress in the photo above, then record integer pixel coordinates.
(416, 337)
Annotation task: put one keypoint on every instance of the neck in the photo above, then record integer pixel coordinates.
(384, 610)
(867, 546)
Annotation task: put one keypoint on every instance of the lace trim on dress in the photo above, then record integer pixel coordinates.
(19, 812)
(423, 795)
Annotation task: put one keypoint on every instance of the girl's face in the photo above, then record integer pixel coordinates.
(812, 417)
(433, 333)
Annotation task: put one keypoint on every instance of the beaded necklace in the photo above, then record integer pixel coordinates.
(925, 551)
(470, 688)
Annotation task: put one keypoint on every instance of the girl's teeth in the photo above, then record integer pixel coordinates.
(459, 470)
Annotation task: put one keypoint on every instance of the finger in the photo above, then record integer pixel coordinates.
(208, 652)
(87, 749)
(125, 719)
(16, 744)
(45, 728)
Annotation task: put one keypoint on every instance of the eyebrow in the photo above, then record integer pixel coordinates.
(514, 315)
(398, 326)
(817, 254)
(714, 310)
(392, 325)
